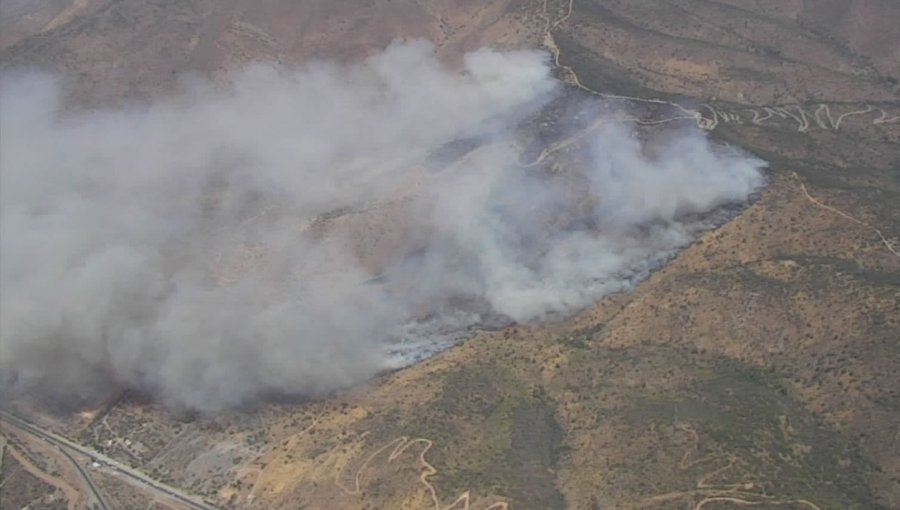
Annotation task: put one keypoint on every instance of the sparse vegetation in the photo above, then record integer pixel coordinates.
(760, 362)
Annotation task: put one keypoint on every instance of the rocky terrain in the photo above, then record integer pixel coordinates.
(758, 367)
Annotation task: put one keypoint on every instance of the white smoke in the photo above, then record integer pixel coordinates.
(284, 233)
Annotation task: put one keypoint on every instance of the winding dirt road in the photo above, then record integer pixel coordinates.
(397, 447)
(738, 493)
(715, 115)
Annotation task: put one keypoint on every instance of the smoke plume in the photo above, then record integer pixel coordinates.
(295, 232)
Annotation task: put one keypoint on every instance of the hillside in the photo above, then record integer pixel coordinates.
(758, 366)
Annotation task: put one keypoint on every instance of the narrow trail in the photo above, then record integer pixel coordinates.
(570, 77)
(258, 471)
(737, 493)
(400, 445)
(819, 203)
(739, 501)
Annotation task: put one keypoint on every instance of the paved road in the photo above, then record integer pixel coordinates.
(98, 496)
(64, 444)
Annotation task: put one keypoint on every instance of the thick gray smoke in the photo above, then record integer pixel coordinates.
(294, 233)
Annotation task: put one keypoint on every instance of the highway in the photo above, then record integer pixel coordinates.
(109, 463)
(98, 497)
